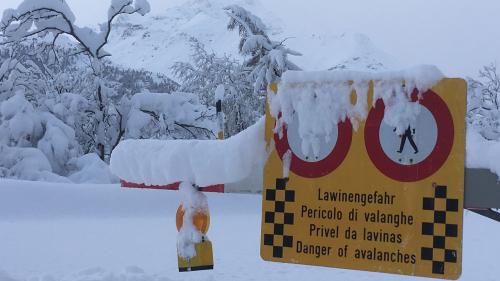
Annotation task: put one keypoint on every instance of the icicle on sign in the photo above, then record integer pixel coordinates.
(374, 198)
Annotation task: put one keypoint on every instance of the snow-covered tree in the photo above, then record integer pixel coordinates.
(22, 126)
(68, 92)
(484, 102)
(54, 18)
(168, 116)
(267, 59)
(206, 71)
(20, 74)
(20, 123)
(241, 106)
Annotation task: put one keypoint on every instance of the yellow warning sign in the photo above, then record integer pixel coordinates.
(375, 200)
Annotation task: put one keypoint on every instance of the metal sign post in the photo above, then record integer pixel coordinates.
(482, 193)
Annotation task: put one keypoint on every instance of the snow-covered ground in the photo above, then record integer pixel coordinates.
(60, 232)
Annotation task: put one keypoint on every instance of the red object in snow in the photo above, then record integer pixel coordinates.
(172, 186)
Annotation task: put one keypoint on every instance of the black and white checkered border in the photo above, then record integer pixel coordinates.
(280, 196)
(439, 239)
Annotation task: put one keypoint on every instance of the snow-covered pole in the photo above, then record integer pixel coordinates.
(219, 97)
(194, 250)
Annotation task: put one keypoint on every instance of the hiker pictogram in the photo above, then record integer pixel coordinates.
(408, 134)
(421, 149)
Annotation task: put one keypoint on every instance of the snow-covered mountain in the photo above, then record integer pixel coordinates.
(155, 42)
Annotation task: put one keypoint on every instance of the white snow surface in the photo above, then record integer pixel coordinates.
(202, 162)
(67, 232)
(329, 92)
(91, 169)
(482, 153)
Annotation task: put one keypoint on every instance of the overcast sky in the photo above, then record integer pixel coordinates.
(458, 36)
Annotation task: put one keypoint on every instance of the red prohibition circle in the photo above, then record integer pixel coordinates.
(434, 161)
(322, 167)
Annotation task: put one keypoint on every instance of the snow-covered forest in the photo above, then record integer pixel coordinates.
(65, 105)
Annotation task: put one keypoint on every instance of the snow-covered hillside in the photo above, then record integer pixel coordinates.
(155, 42)
(60, 232)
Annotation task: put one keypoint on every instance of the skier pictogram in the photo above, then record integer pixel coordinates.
(408, 134)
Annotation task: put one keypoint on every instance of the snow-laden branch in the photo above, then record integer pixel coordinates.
(36, 17)
(268, 59)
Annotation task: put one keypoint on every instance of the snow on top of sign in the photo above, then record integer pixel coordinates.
(203, 162)
(322, 99)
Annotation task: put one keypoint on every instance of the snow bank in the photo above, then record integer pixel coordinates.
(482, 153)
(91, 169)
(203, 162)
(329, 93)
(26, 163)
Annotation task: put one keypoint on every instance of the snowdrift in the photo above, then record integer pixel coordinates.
(202, 162)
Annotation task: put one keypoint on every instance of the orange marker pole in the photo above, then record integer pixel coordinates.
(194, 250)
